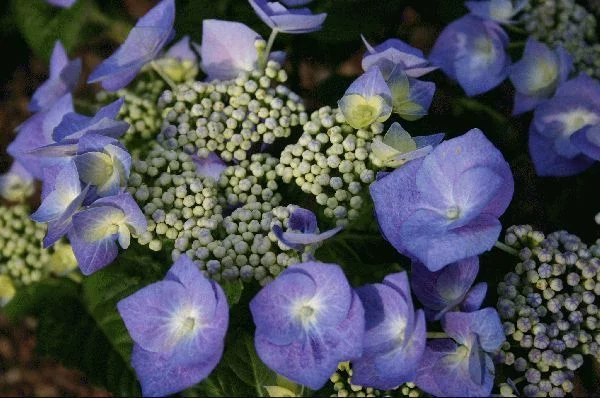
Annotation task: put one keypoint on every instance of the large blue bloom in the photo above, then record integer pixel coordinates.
(448, 288)
(36, 132)
(445, 207)
(461, 366)
(307, 321)
(394, 337)
(537, 75)
(144, 43)
(472, 51)
(178, 326)
(97, 229)
(282, 19)
(64, 75)
(302, 230)
(575, 106)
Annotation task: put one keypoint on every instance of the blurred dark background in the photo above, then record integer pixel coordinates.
(321, 65)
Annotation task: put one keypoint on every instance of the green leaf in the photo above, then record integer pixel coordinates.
(233, 290)
(240, 373)
(42, 24)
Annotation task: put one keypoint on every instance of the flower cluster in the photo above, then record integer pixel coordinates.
(549, 309)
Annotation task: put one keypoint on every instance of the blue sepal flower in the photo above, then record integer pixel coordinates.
(36, 132)
(411, 98)
(461, 366)
(97, 229)
(473, 52)
(501, 11)
(397, 146)
(282, 19)
(392, 53)
(445, 207)
(64, 75)
(302, 230)
(448, 288)
(367, 100)
(537, 75)
(211, 166)
(144, 43)
(394, 337)
(307, 321)
(178, 326)
(61, 3)
(575, 105)
(62, 196)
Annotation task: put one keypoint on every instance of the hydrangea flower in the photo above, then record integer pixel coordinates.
(62, 3)
(178, 327)
(445, 207)
(17, 183)
(144, 43)
(211, 166)
(97, 229)
(367, 100)
(103, 162)
(473, 52)
(64, 75)
(36, 132)
(448, 288)
(501, 11)
(461, 366)
(411, 98)
(575, 105)
(282, 19)
(587, 140)
(537, 75)
(397, 146)
(394, 336)
(393, 53)
(227, 49)
(302, 230)
(307, 321)
(62, 196)
(295, 3)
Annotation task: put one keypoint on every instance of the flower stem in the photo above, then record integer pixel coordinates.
(506, 248)
(163, 75)
(437, 335)
(270, 42)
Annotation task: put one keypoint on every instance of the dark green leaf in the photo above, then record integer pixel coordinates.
(233, 290)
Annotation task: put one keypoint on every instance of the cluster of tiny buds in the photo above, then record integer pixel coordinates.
(549, 309)
(22, 257)
(343, 387)
(568, 24)
(140, 109)
(230, 118)
(332, 161)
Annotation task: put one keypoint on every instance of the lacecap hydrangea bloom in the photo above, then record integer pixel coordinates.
(307, 321)
(178, 326)
(538, 74)
(449, 288)
(445, 207)
(394, 336)
(472, 51)
(575, 107)
(502, 11)
(461, 365)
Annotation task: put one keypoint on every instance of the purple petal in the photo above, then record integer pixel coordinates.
(273, 307)
(370, 84)
(187, 273)
(93, 256)
(182, 50)
(160, 377)
(212, 166)
(484, 323)
(67, 188)
(298, 23)
(62, 3)
(303, 220)
(524, 103)
(428, 140)
(548, 163)
(227, 49)
(587, 140)
(295, 3)
(474, 298)
(135, 217)
(55, 87)
(110, 111)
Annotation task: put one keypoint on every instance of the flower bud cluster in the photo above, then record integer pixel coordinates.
(343, 387)
(549, 307)
(333, 162)
(139, 109)
(230, 118)
(568, 24)
(22, 258)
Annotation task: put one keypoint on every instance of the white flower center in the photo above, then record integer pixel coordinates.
(452, 212)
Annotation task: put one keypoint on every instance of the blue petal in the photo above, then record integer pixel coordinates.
(277, 16)
(182, 50)
(67, 188)
(212, 166)
(303, 220)
(588, 141)
(187, 273)
(548, 163)
(134, 216)
(62, 3)
(484, 323)
(370, 84)
(227, 49)
(474, 298)
(160, 377)
(94, 256)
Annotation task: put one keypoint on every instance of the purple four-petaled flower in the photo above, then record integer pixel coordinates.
(178, 326)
